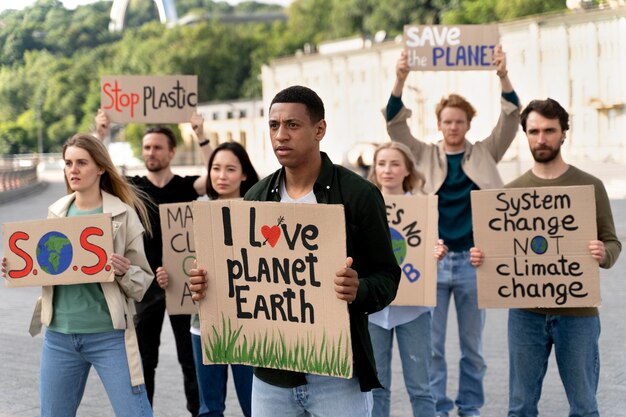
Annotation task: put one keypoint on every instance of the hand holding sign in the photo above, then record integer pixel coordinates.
(102, 124)
(477, 257)
(598, 251)
(347, 282)
(197, 124)
(499, 60)
(162, 278)
(402, 67)
(441, 250)
(4, 267)
(120, 264)
(197, 283)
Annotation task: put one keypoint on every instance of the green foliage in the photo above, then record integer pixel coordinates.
(52, 58)
(317, 20)
(140, 12)
(489, 11)
(273, 351)
(133, 133)
(15, 139)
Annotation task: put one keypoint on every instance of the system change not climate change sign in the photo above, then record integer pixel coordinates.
(536, 246)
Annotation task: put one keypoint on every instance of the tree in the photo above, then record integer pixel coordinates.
(14, 139)
(490, 11)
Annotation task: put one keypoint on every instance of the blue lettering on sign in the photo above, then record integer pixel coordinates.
(463, 56)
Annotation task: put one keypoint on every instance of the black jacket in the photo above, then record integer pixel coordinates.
(367, 242)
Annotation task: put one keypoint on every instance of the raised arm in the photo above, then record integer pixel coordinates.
(499, 60)
(402, 72)
(197, 123)
(396, 114)
(102, 125)
(505, 130)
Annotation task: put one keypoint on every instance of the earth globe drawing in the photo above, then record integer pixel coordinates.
(54, 253)
(398, 244)
(539, 245)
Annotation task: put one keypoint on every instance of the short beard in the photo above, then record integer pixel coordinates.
(154, 168)
(549, 157)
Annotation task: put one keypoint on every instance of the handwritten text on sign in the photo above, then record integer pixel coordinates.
(178, 256)
(149, 99)
(270, 269)
(58, 251)
(536, 245)
(446, 48)
(413, 227)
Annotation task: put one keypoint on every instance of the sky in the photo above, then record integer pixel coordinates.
(71, 4)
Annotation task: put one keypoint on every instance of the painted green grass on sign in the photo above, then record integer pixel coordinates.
(273, 351)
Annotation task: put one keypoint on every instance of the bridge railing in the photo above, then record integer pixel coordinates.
(18, 171)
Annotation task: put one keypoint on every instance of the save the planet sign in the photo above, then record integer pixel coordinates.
(450, 48)
(149, 99)
(270, 299)
(413, 227)
(70, 250)
(536, 246)
(179, 255)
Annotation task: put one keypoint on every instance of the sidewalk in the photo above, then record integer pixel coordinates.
(19, 360)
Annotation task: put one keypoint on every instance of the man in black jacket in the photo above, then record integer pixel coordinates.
(369, 280)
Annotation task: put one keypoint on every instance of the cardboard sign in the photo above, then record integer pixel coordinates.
(178, 256)
(69, 250)
(149, 99)
(450, 48)
(536, 246)
(414, 230)
(270, 299)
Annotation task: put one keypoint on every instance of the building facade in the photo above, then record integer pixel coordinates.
(577, 58)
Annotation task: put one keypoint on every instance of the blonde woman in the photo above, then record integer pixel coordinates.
(91, 324)
(394, 173)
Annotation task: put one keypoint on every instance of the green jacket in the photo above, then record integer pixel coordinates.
(367, 242)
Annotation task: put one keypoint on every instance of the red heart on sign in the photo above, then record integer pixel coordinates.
(271, 234)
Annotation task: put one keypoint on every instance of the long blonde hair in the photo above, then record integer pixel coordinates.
(414, 181)
(111, 180)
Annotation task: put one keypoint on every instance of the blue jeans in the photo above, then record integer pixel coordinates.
(212, 384)
(65, 363)
(457, 277)
(575, 341)
(415, 354)
(321, 396)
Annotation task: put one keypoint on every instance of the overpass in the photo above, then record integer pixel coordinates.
(166, 8)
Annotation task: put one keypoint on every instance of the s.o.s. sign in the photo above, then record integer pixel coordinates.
(71, 250)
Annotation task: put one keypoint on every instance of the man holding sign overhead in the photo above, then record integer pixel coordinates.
(574, 332)
(454, 167)
(158, 148)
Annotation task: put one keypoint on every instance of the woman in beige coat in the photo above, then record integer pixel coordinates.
(92, 324)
